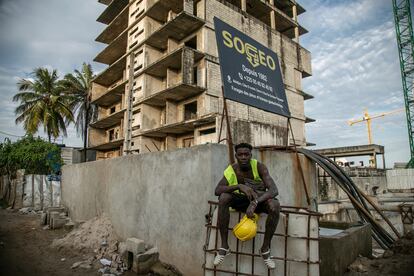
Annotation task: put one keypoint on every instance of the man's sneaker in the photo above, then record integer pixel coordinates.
(269, 262)
(219, 257)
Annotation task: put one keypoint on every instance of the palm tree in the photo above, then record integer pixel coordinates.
(42, 103)
(77, 86)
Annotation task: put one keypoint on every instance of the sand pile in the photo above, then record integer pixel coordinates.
(95, 235)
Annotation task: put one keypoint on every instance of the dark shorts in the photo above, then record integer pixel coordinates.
(240, 202)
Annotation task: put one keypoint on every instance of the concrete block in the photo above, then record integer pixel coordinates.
(354, 241)
(143, 262)
(69, 226)
(58, 223)
(135, 246)
(51, 216)
(43, 219)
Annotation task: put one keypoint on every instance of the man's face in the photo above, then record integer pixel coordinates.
(243, 156)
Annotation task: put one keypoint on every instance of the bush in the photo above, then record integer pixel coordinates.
(34, 155)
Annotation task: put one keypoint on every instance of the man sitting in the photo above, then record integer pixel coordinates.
(247, 187)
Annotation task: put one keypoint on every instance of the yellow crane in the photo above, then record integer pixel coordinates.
(367, 118)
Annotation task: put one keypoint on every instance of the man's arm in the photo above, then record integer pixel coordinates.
(268, 182)
(224, 187)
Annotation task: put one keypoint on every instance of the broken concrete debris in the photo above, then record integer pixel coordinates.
(135, 246)
(55, 218)
(97, 237)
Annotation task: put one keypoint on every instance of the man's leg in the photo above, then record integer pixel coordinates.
(273, 209)
(224, 218)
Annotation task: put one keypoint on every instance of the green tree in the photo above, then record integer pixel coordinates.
(77, 86)
(42, 102)
(34, 155)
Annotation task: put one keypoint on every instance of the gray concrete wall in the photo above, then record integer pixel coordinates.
(400, 179)
(162, 197)
(337, 252)
(329, 190)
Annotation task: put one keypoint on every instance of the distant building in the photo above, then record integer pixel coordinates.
(162, 87)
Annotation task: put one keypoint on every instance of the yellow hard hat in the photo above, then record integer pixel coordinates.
(246, 228)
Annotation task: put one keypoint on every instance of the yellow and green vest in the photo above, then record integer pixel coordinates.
(231, 177)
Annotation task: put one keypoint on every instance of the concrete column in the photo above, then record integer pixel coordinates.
(170, 143)
(172, 77)
(243, 5)
(272, 15)
(189, 6)
(273, 20)
(295, 18)
(171, 45)
(170, 112)
(187, 65)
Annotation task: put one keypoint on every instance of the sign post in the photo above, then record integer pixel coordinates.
(250, 71)
(251, 75)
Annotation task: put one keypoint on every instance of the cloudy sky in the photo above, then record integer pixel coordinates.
(354, 58)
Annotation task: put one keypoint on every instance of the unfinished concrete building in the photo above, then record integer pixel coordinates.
(162, 87)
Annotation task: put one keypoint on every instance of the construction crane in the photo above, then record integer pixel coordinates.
(367, 118)
(405, 41)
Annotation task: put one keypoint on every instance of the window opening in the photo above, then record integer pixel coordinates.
(208, 131)
(190, 111)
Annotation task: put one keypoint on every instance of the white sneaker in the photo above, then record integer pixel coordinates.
(220, 258)
(269, 262)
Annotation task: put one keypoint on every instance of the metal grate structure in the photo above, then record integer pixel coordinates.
(405, 39)
(307, 262)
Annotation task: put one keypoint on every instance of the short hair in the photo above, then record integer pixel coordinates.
(243, 145)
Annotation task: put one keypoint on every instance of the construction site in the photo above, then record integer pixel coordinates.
(165, 129)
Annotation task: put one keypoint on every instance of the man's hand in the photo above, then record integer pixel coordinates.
(250, 210)
(249, 192)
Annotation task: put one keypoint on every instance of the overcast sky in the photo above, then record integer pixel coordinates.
(354, 59)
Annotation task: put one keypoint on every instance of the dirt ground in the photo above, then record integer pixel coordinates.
(399, 260)
(25, 249)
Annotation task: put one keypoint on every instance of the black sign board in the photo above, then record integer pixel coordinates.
(250, 71)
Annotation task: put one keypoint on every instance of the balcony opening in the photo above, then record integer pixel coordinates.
(192, 43)
(112, 110)
(208, 131)
(190, 111)
(113, 134)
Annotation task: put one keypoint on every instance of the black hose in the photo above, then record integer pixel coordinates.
(381, 236)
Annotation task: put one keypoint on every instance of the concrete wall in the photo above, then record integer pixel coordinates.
(370, 181)
(30, 191)
(337, 252)
(162, 197)
(400, 179)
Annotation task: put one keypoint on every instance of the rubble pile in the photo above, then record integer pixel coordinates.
(26, 211)
(97, 240)
(95, 235)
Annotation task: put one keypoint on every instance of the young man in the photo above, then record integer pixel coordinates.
(247, 187)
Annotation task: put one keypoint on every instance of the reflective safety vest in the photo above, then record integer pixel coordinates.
(231, 177)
